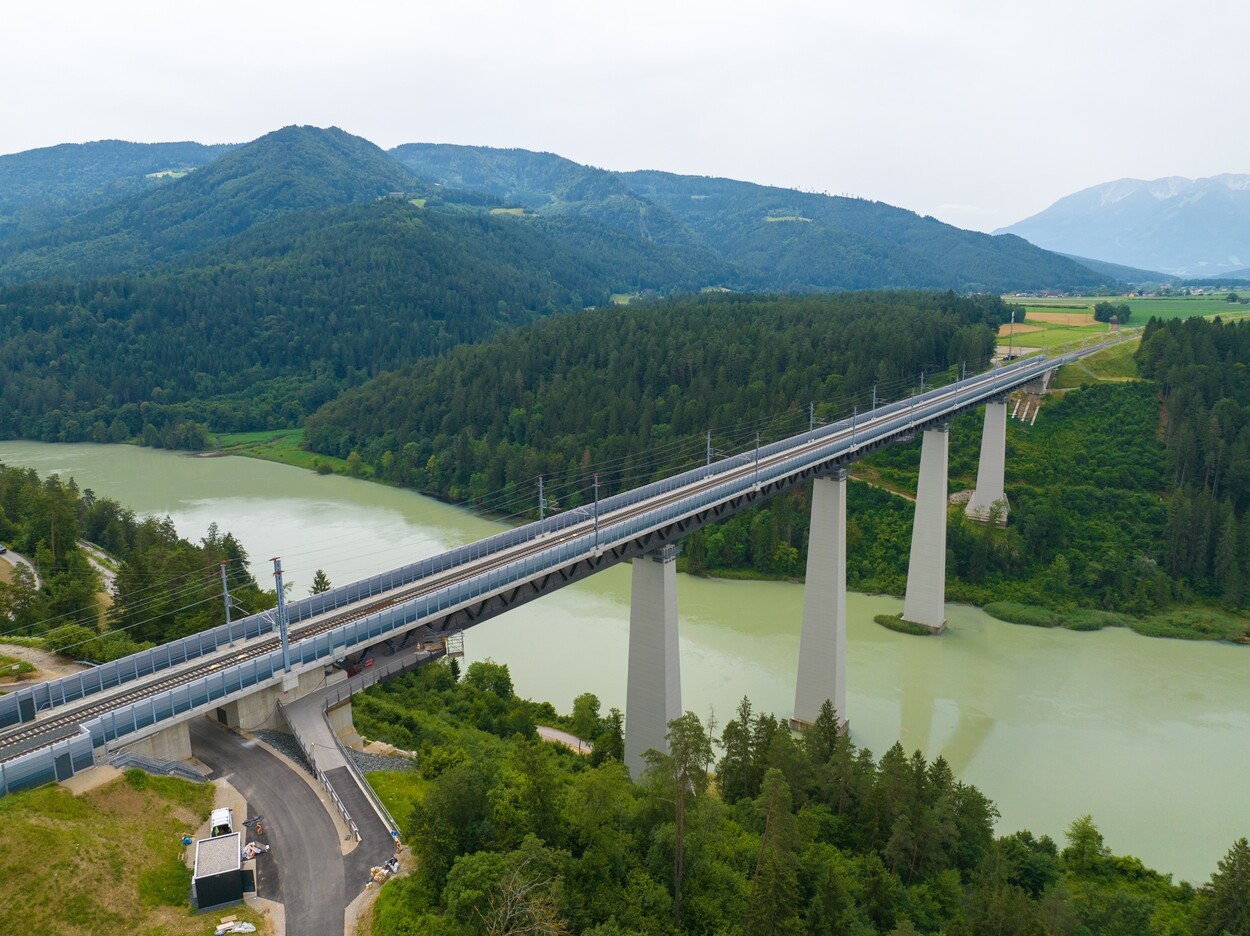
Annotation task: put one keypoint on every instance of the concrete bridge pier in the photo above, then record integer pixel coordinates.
(925, 601)
(653, 691)
(822, 641)
(990, 468)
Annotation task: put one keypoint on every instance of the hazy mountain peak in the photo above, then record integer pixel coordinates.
(1181, 226)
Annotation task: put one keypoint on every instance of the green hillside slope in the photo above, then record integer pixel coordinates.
(293, 169)
(42, 186)
(266, 328)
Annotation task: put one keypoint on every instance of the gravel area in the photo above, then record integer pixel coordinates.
(369, 762)
(286, 744)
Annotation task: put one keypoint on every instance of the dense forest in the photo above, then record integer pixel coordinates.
(166, 587)
(267, 330)
(41, 187)
(631, 391)
(801, 835)
(1202, 372)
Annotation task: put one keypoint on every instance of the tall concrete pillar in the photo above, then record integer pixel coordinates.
(822, 641)
(653, 693)
(990, 469)
(925, 602)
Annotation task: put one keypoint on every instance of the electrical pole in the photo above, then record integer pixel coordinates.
(874, 397)
(854, 414)
(286, 647)
(542, 501)
(757, 459)
(225, 591)
(811, 416)
(596, 512)
(1011, 335)
(709, 448)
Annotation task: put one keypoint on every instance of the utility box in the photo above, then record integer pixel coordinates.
(218, 876)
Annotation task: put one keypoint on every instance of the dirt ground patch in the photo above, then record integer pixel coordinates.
(47, 665)
(1019, 329)
(1062, 318)
(6, 573)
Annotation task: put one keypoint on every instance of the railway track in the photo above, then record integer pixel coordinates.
(42, 732)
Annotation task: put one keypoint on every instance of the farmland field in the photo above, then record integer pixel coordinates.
(1143, 309)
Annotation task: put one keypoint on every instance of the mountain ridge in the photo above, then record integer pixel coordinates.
(1179, 226)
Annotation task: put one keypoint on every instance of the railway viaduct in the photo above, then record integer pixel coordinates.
(241, 671)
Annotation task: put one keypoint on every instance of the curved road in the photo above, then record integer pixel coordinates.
(305, 870)
(16, 559)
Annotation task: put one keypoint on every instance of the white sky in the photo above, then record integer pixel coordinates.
(979, 112)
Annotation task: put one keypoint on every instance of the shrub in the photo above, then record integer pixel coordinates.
(1031, 615)
(895, 622)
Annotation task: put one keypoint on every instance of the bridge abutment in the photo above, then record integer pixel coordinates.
(822, 640)
(653, 690)
(925, 601)
(990, 468)
(171, 744)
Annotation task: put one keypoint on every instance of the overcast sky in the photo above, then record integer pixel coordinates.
(979, 112)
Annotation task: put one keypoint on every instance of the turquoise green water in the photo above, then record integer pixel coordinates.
(1149, 736)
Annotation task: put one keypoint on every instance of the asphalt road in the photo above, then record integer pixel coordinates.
(15, 559)
(304, 870)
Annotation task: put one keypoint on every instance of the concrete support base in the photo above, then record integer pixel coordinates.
(925, 601)
(171, 744)
(822, 641)
(260, 709)
(341, 718)
(989, 500)
(653, 692)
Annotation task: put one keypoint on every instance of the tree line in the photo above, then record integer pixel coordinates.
(635, 389)
(165, 586)
(790, 834)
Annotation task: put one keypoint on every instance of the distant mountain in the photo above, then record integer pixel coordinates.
(42, 186)
(1185, 227)
(774, 239)
(546, 184)
(293, 169)
(1124, 274)
(788, 240)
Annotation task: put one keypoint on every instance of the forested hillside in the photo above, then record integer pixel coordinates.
(788, 240)
(547, 184)
(775, 239)
(631, 391)
(265, 329)
(809, 835)
(167, 587)
(42, 186)
(1202, 372)
(293, 169)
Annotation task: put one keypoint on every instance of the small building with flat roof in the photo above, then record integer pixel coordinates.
(218, 876)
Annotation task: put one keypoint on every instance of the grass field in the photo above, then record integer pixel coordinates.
(399, 791)
(1143, 309)
(277, 445)
(108, 861)
(1113, 365)
(516, 212)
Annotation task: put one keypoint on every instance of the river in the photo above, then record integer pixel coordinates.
(1149, 736)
